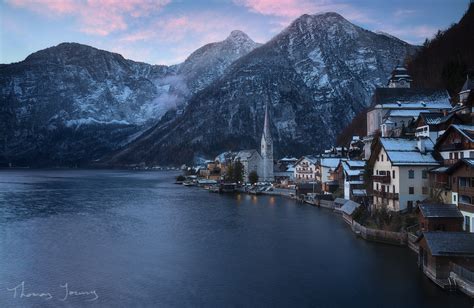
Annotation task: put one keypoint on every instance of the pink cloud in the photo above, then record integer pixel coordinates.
(99, 17)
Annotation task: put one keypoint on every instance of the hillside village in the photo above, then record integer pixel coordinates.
(410, 181)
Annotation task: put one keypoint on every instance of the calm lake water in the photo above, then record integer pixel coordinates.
(136, 239)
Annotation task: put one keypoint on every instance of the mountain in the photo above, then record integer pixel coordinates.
(72, 103)
(315, 76)
(441, 63)
(445, 60)
(209, 62)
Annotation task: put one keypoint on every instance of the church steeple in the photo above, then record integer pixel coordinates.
(267, 149)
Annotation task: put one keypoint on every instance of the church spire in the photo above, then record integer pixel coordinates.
(266, 124)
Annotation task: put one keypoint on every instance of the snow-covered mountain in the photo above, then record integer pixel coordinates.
(315, 76)
(74, 103)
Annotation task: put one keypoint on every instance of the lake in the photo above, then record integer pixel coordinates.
(88, 238)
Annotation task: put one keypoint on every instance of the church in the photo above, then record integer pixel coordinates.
(261, 162)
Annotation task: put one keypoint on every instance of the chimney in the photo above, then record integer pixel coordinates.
(421, 145)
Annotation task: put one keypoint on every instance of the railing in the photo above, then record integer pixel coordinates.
(466, 190)
(462, 272)
(465, 207)
(381, 178)
(397, 238)
(383, 194)
(452, 146)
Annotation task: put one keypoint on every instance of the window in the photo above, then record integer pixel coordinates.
(462, 154)
(411, 190)
(454, 198)
(471, 154)
(424, 174)
(410, 205)
(465, 199)
(464, 182)
(393, 188)
(424, 190)
(467, 223)
(450, 155)
(377, 186)
(393, 174)
(411, 174)
(456, 155)
(382, 157)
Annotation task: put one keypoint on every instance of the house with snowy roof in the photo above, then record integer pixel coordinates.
(457, 142)
(350, 174)
(305, 169)
(251, 161)
(325, 168)
(398, 105)
(434, 124)
(400, 172)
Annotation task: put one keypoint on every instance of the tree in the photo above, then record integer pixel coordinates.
(253, 177)
(229, 175)
(238, 172)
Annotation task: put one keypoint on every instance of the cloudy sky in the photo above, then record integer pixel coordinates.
(167, 31)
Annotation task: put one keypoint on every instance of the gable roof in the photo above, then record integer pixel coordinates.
(468, 162)
(246, 154)
(440, 211)
(465, 130)
(450, 244)
(405, 152)
(312, 159)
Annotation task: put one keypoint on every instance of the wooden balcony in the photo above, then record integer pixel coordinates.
(466, 190)
(387, 195)
(466, 207)
(385, 179)
(452, 147)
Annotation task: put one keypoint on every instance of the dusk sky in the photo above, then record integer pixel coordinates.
(167, 31)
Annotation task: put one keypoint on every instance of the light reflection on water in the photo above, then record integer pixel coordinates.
(139, 240)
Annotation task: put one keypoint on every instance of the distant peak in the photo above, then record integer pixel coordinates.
(238, 35)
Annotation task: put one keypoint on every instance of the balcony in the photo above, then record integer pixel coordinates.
(387, 195)
(466, 190)
(452, 147)
(304, 171)
(385, 179)
(466, 207)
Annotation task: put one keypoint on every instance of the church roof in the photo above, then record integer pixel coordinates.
(246, 154)
(411, 98)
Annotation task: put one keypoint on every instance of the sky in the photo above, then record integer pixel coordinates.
(167, 31)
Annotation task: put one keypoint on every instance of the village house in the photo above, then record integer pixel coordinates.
(305, 169)
(284, 170)
(461, 175)
(434, 124)
(350, 177)
(440, 217)
(400, 172)
(456, 143)
(324, 168)
(395, 106)
(443, 256)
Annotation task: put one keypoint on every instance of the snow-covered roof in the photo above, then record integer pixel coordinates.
(405, 151)
(411, 98)
(412, 158)
(356, 163)
(246, 154)
(404, 113)
(330, 162)
(466, 130)
(309, 158)
(349, 207)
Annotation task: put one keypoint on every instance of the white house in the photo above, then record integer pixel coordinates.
(305, 169)
(325, 167)
(400, 172)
